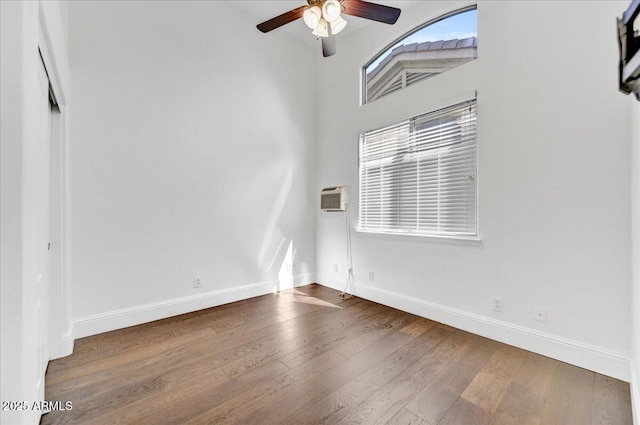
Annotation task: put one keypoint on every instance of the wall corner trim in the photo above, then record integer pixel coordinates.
(597, 359)
(64, 346)
(634, 386)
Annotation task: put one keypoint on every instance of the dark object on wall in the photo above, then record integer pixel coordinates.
(629, 43)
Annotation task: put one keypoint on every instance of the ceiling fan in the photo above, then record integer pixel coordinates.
(324, 17)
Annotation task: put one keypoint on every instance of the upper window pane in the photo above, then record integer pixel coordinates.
(439, 46)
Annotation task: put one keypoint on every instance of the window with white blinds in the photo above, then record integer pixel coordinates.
(418, 177)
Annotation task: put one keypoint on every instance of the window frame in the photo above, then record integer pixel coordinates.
(363, 69)
(411, 122)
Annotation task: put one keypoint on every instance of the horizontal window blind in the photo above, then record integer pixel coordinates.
(419, 176)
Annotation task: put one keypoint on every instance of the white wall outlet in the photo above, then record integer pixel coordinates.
(197, 282)
(540, 314)
(335, 268)
(372, 276)
(497, 304)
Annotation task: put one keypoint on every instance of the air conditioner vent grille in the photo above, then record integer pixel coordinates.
(333, 198)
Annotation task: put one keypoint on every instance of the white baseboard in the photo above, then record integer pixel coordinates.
(112, 320)
(63, 347)
(597, 359)
(635, 390)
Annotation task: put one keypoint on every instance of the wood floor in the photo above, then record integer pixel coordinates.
(307, 357)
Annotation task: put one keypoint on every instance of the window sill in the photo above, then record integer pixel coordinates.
(455, 240)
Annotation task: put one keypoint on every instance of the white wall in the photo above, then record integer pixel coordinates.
(554, 210)
(192, 152)
(26, 27)
(635, 255)
(11, 281)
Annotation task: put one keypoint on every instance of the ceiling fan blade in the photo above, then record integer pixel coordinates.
(376, 12)
(328, 46)
(281, 20)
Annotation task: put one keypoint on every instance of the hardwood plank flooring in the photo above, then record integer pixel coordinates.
(305, 356)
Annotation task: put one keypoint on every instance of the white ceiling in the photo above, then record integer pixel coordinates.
(261, 10)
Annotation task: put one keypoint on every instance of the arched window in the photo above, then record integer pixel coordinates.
(436, 47)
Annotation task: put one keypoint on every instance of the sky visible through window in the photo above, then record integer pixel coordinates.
(461, 25)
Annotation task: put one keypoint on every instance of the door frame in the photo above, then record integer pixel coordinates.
(60, 318)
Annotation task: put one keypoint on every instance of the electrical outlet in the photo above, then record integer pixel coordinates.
(335, 268)
(197, 282)
(371, 276)
(497, 304)
(540, 314)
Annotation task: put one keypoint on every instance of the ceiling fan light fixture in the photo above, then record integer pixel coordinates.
(338, 25)
(322, 30)
(312, 16)
(331, 10)
(324, 17)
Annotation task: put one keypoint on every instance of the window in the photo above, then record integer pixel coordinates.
(418, 177)
(434, 48)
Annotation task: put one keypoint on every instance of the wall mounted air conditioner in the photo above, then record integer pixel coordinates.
(333, 198)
